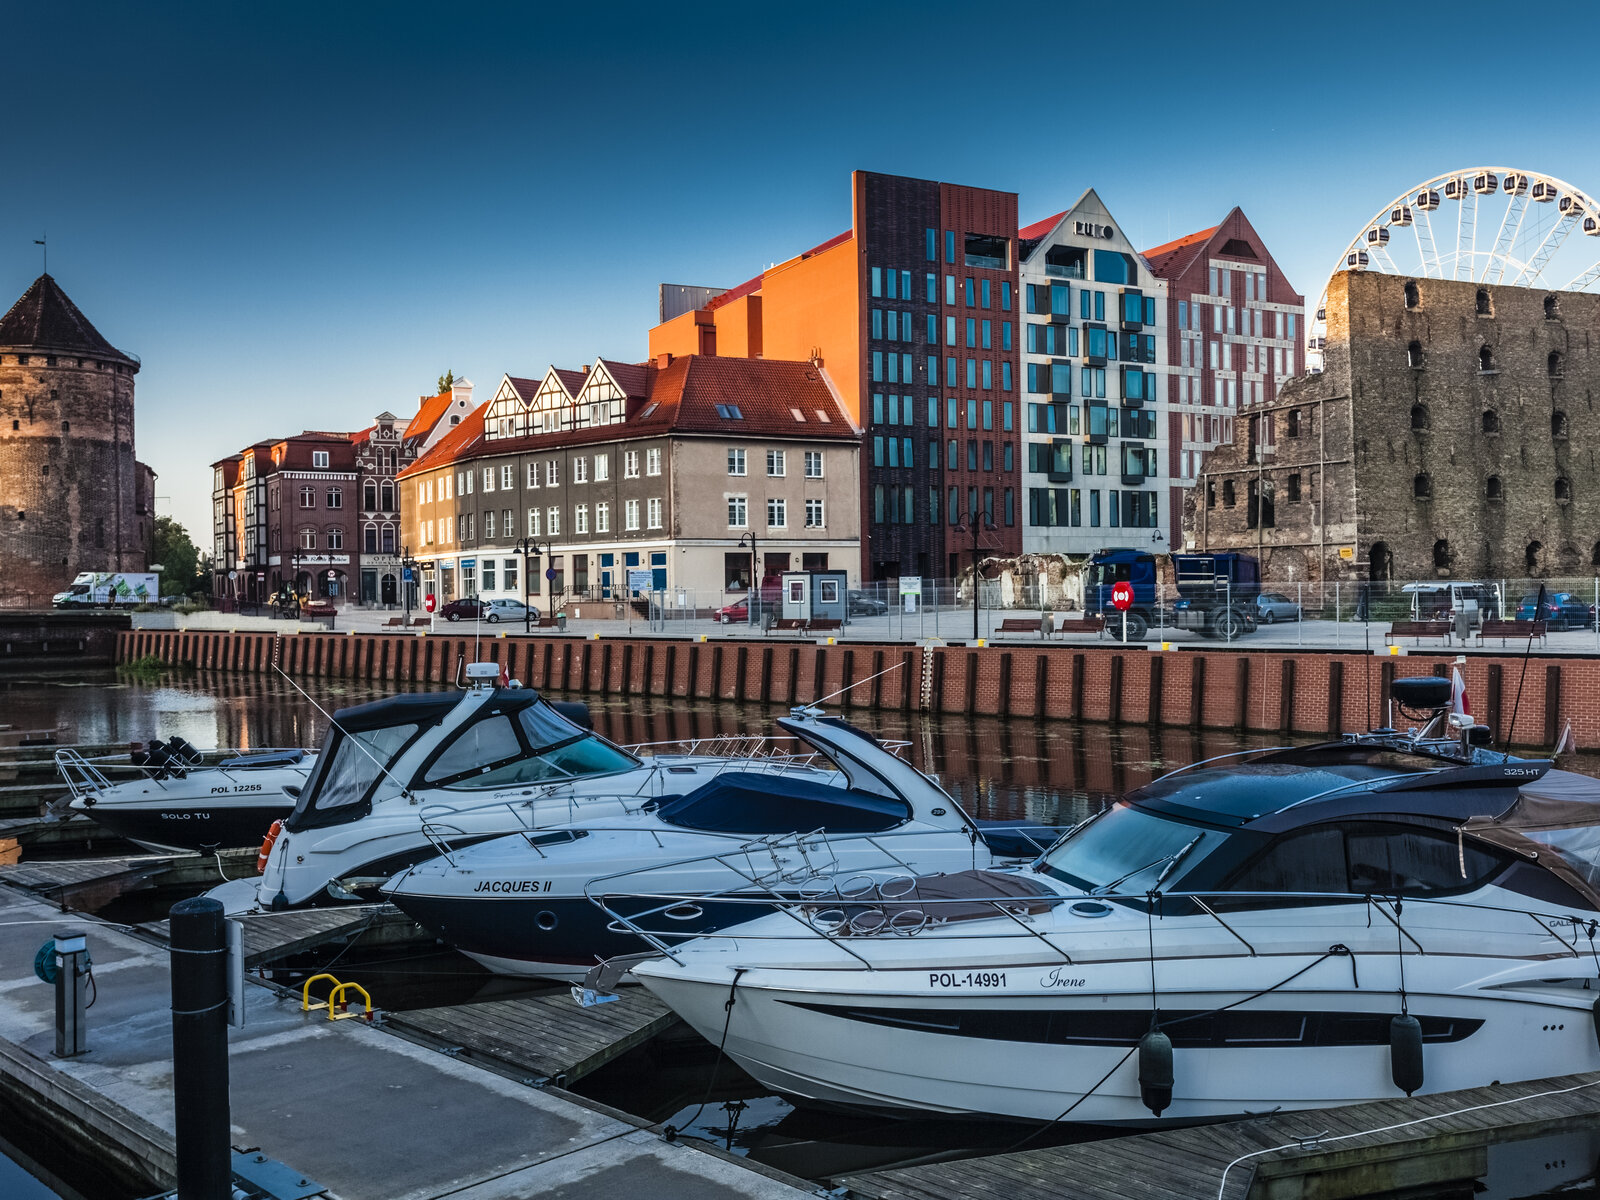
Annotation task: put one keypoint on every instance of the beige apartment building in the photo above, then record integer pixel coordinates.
(686, 467)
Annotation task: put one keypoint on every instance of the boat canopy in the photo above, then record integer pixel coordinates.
(743, 802)
(1555, 821)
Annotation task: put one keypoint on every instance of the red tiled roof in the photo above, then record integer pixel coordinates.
(44, 318)
(1039, 228)
(452, 445)
(1171, 259)
(428, 414)
(357, 438)
(632, 378)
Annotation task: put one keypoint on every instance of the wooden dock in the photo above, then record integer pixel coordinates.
(1329, 1154)
(547, 1037)
(88, 883)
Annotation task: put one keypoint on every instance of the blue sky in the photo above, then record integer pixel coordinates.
(300, 215)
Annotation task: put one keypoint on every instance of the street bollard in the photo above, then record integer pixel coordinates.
(72, 974)
(200, 1050)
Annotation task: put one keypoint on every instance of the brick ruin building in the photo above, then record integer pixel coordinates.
(72, 496)
(1450, 435)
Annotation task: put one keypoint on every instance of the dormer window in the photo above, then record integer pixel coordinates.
(319, 459)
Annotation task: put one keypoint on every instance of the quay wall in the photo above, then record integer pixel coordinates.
(42, 640)
(1287, 691)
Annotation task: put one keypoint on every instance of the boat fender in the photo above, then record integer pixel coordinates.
(266, 847)
(1155, 1071)
(1405, 1053)
(1596, 1011)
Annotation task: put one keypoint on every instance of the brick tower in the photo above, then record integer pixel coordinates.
(72, 497)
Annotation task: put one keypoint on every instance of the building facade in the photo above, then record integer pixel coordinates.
(1447, 437)
(72, 495)
(1234, 338)
(1095, 453)
(913, 312)
(699, 470)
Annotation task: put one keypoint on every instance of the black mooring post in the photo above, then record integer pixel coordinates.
(200, 1050)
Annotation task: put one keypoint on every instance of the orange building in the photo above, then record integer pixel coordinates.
(912, 311)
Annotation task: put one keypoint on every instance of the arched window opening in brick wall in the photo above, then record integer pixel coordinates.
(1553, 364)
(1485, 358)
(1533, 559)
(1419, 417)
(1552, 308)
(1558, 424)
(1563, 489)
(1414, 356)
(1411, 293)
(1422, 486)
(1491, 421)
(1491, 488)
(1483, 305)
(1441, 555)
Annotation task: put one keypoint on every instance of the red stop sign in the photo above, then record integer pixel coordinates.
(1122, 596)
(428, 602)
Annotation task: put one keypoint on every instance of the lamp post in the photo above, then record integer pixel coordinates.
(987, 526)
(529, 548)
(408, 567)
(753, 596)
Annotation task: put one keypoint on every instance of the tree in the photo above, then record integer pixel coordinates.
(446, 382)
(179, 559)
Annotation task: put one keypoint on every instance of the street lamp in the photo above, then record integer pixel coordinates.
(408, 567)
(529, 548)
(978, 530)
(753, 596)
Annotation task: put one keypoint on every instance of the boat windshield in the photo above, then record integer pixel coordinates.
(535, 744)
(1128, 850)
(352, 771)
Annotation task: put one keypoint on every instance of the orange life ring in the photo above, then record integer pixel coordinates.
(266, 847)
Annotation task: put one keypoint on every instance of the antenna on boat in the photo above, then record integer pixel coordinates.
(815, 707)
(1538, 609)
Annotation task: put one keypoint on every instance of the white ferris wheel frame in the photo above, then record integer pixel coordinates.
(1365, 253)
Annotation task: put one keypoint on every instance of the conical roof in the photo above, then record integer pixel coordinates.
(45, 319)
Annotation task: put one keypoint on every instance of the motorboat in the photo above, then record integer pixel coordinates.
(406, 778)
(1298, 928)
(176, 801)
(552, 903)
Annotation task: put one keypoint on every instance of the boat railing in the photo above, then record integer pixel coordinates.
(86, 777)
(442, 819)
(82, 777)
(867, 905)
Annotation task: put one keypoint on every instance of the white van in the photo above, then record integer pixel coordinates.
(1442, 601)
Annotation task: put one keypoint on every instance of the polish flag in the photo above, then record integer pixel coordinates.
(1458, 695)
(505, 679)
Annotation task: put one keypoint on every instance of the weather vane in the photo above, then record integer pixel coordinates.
(40, 241)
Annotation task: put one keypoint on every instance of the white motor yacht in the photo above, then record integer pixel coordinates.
(521, 904)
(403, 779)
(176, 801)
(1303, 928)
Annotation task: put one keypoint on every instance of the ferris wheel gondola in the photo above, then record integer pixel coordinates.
(1491, 225)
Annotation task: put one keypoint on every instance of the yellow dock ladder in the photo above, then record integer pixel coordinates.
(333, 1003)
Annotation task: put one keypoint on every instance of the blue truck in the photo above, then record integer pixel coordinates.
(1216, 592)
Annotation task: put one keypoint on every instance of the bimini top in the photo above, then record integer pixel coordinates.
(1289, 788)
(743, 802)
(1555, 822)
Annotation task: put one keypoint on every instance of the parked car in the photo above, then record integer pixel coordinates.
(1562, 610)
(1272, 607)
(865, 604)
(510, 610)
(738, 613)
(470, 608)
(1441, 601)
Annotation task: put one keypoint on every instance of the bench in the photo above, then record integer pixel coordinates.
(416, 621)
(789, 625)
(394, 623)
(807, 625)
(1512, 629)
(1021, 625)
(1417, 630)
(824, 625)
(1089, 623)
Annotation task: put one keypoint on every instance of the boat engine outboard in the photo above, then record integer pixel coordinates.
(169, 760)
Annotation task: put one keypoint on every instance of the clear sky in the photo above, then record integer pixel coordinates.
(300, 215)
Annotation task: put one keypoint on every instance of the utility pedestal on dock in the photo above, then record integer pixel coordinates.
(72, 973)
(200, 1050)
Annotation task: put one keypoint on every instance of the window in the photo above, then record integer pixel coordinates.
(580, 519)
(630, 515)
(814, 514)
(738, 517)
(1422, 486)
(652, 461)
(533, 475)
(369, 496)
(985, 251)
(336, 539)
(1491, 421)
(508, 526)
(1414, 355)
(736, 461)
(1419, 417)
(652, 508)
(552, 474)
(488, 479)
(1482, 305)
(1491, 487)
(580, 470)
(1553, 364)
(533, 522)
(1558, 424)
(630, 464)
(488, 581)
(602, 467)
(602, 518)
(1563, 490)
(335, 497)
(552, 520)
(488, 524)
(1411, 293)
(814, 459)
(508, 477)
(319, 458)
(777, 513)
(369, 538)
(729, 412)
(308, 497)
(775, 463)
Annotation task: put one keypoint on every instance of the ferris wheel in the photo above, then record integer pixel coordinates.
(1492, 225)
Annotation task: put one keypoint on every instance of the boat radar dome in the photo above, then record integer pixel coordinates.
(483, 674)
